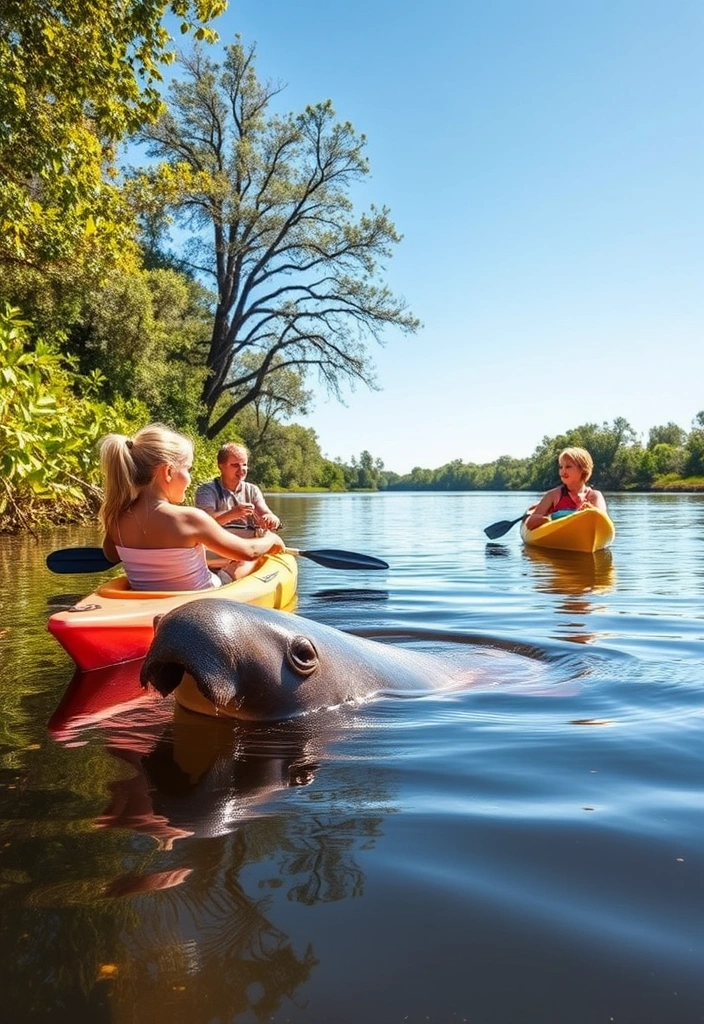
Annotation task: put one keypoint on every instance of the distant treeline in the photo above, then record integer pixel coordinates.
(672, 459)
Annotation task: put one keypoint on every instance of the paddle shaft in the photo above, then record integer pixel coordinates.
(92, 559)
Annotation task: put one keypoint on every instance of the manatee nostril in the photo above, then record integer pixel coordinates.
(301, 655)
(164, 676)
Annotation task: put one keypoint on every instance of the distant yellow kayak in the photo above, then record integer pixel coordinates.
(588, 530)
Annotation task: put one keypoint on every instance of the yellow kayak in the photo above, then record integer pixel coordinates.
(587, 530)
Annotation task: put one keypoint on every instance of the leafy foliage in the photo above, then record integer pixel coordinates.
(620, 462)
(76, 76)
(146, 333)
(47, 434)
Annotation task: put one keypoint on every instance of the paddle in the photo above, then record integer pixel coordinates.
(79, 560)
(503, 526)
(332, 558)
(69, 560)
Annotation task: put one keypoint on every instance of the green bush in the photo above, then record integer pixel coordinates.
(50, 422)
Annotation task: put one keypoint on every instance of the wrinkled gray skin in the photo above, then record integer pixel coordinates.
(263, 665)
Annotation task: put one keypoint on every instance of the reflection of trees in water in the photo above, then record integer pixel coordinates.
(320, 847)
(210, 945)
(189, 922)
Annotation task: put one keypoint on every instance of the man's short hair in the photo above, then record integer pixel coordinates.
(231, 448)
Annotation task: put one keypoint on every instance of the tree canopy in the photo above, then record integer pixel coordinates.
(76, 77)
(296, 274)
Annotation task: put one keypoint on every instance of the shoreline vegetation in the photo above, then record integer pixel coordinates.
(52, 416)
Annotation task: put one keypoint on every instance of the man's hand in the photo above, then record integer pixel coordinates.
(270, 521)
(240, 512)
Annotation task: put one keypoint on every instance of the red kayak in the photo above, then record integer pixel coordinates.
(116, 624)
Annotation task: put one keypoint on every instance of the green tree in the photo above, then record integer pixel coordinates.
(507, 474)
(331, 476)
(647, 469)
(146, 333)
(48, 465)
(290, 459)
(669, 434)
(368, 471)
(282, 395)
(614, 449)
(694, 464)
(267, 198)
(668, 458)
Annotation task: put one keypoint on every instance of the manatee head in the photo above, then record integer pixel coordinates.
(247, 661)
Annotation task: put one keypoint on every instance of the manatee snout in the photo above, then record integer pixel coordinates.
(193, 640)
(248, 662)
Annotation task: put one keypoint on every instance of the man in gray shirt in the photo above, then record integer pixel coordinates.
(229, 499)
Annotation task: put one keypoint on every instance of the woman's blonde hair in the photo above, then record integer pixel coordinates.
(129, 465)
(581, 458)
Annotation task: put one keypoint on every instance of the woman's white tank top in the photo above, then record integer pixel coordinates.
(167, 568)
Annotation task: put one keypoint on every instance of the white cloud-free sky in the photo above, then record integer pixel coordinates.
(544, 161)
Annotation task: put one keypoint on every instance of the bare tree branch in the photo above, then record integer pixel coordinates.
(268, 199)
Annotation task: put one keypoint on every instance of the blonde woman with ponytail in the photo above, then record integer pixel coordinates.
(162, 543)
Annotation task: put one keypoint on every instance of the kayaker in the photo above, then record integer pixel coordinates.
(231, 500)
(575, 466)
(162, 543)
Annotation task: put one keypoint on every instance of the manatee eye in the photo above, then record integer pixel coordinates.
(301, 655)
(302, 774)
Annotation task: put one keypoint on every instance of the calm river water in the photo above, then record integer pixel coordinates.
(529, 850)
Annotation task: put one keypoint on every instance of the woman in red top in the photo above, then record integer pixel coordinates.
(575, 467)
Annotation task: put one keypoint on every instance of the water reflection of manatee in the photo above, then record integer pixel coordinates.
(201, 778)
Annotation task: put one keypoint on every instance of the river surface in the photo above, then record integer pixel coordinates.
(528, 849)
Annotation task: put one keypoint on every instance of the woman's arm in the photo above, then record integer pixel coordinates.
(596, 498)
(110, 551)
(541, 512)
(205, 530)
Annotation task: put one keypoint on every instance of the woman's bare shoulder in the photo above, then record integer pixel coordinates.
(192, 518)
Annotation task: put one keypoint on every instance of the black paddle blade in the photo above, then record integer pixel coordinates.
(332, 558)
(73, 560)
(502, 527)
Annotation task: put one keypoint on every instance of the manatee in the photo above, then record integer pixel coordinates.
(262, 665)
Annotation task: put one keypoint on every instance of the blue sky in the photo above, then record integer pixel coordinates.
(544, 162)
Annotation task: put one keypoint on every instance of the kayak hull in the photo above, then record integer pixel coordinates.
(115, 624)
(587, 530)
